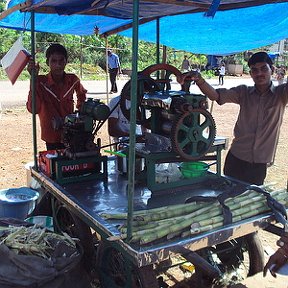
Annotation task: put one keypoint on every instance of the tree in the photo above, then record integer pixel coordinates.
(2, 5)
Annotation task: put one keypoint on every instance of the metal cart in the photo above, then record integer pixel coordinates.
(79, 205)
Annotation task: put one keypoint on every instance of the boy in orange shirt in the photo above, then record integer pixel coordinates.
(54, 95)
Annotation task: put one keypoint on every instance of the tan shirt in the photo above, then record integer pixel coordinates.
(257, 129)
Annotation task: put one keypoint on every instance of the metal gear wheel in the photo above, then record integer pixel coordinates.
(193, 134)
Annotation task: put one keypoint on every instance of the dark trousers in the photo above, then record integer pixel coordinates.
(252, 173)
(112, 74)
(221, 79)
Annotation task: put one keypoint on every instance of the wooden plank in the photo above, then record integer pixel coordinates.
(17, 7)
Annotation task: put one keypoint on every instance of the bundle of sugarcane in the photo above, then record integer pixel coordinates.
(33, 240)
(183, 220)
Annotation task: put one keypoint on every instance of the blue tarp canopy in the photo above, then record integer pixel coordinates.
(236, 26)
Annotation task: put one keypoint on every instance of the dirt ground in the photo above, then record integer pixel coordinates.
(16, 150)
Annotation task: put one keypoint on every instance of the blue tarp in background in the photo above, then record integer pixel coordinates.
(227, 32)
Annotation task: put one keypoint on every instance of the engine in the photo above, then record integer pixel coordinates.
(80, 128)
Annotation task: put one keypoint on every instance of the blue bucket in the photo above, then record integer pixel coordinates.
(17, 202)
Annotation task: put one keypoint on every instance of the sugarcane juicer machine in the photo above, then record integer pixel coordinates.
(81, 159)
(180, 127)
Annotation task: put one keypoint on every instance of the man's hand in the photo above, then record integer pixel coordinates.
(194, 75)
(31, 65)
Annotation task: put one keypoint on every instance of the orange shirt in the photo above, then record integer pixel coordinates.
(54, 101)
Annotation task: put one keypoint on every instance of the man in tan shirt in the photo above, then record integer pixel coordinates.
(256, 131)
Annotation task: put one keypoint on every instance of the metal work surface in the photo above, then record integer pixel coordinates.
(90, 198)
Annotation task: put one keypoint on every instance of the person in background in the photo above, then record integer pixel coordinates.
(279, 258)
(222, 72)
(114, 70)
(54, 95)
(257, 129)
(185, 67)
(280, 74)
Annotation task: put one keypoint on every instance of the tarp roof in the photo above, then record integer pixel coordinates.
(231, 30)
(147, 8)
(228, 32)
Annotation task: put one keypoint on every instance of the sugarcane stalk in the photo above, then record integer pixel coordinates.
(170, 227)
(178, 209)
(157, 213)
(166, 226)
(175, 220)
(198, 230)
(148, 236)
(174, 226)
(135, 228)
(203, 227)
(176, 234)
(14, 233)
(237, 215)
(138, 226)
(253, 211)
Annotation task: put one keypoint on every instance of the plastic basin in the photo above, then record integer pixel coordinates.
(17, 202)
(193, 169)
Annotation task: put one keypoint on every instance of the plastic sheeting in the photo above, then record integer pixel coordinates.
(153, 8)
(227, 32)
(54, 23)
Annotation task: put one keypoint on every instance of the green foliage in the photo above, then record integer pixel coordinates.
(87, 54)
(7, 38)
(2, 5)
(208, 74)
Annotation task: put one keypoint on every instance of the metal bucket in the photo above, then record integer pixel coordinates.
(17, 202)
(122, 164)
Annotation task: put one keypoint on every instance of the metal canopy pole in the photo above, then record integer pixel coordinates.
(33, 85)
(132, 136)
(107, 69)
(158, 40)
(158, 45)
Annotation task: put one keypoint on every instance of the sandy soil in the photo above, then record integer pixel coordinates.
(16, 150)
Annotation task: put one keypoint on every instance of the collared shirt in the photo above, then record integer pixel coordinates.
(257, 128)
(113, 61)
(54, 100)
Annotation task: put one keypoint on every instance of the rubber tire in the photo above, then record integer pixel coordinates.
(75, 227)
(110, 259)
(256, 260)
(256, 253)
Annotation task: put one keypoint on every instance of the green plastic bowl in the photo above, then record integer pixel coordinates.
(193, 169)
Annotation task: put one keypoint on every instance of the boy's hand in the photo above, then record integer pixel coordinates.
(32, 65)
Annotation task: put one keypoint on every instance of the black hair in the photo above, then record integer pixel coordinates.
(56, 48)
(260, 57)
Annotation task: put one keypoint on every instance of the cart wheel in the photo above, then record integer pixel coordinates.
(68, 222)
(113, 270)
(236, 259)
